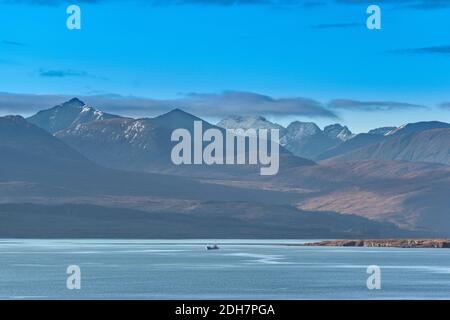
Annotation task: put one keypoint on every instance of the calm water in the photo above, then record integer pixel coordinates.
(241, 269)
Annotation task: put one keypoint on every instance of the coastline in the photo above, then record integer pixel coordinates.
(387, 243)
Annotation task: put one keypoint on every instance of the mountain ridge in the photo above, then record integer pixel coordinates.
(66, 115)
(420, 146)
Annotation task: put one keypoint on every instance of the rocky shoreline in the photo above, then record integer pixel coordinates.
(389, 243)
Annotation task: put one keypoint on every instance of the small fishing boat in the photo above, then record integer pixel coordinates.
(212, 247)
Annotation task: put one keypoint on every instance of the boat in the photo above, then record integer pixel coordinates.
(212, 247)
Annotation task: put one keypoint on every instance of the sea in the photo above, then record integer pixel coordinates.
(239, 269)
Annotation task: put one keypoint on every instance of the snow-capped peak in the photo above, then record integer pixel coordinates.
(302, 129)
(248, 122)
(337, 131)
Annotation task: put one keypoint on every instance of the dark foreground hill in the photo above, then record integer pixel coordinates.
(89, 221)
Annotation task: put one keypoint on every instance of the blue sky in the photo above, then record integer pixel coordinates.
(300, 51)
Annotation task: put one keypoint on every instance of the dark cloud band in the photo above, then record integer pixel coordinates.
(205, 105)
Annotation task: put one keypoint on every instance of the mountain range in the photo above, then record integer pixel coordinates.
(409, 142)
(74, 171)
(303, 139)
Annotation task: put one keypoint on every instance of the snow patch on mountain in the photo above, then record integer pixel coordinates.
(383, 131)
(297, 129)
(66, 115)
(337, 131)
(249, 122)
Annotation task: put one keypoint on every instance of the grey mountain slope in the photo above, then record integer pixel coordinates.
(359, 141)
(418, 127)
(422, 146)
(364, 140)
(66, 115)
(121, 143)
(18, 134)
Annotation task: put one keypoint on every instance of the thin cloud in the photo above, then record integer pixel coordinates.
(371, 106)
(13, 43)
(62, 73)
(45, 2)
(413, 4)
(303, 3)
(337, 25)
(57, 73)
(170, 2)
(425, 50)
(408, 4)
